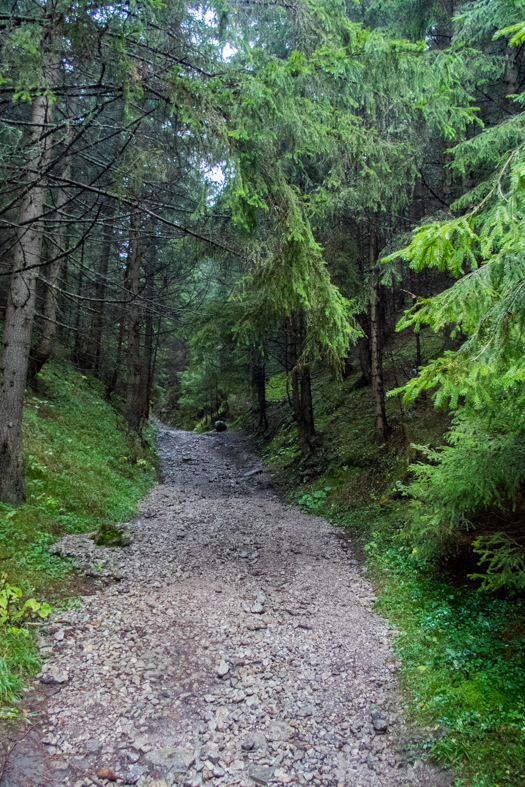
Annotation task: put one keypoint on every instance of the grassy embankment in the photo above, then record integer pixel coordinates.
(83, 470)
(463, 652)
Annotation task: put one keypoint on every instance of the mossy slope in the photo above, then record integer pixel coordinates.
(83, 470)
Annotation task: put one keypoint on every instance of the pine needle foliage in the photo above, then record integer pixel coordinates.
(472, 492)
(293, 280)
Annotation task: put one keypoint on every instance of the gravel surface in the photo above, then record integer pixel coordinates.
(234, 643)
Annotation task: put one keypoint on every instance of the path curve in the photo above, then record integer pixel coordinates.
(238, 647)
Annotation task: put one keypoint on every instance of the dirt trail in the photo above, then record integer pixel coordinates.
(238, 647)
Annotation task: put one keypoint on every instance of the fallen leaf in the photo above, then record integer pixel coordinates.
(107, 773)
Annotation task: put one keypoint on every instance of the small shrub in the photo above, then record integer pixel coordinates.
(13, 610)
(314, 501)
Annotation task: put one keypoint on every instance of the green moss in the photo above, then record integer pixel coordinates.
(276, 387)
(112, 536)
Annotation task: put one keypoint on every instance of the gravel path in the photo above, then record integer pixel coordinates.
(235, 643)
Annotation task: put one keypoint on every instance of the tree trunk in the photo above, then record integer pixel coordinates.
(133, 408)
(307, 404)
(96, 328)
(16, 338)
(153, 366)
(376, 337)
(44, 349)
(303, 408)
(114, 377)
(363, 349)
(77, 355)
(259, 384)
(146, 371)
(64, 329)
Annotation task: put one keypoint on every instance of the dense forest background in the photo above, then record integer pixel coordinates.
(304, 218)
(196, 200)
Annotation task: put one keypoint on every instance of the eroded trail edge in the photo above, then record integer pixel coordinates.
(238, 647)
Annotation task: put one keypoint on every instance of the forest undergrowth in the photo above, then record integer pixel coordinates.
(462, 649)
(83, 469)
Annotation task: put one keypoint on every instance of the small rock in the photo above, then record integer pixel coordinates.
(112, 536)
(380, 724)
(259, 741)
(177, 759)
(261, 774)
(59, 765)
(278, 730)
(306, 710)
(54, 675)
(218, 771)
(223, 669)
(256, 608)
(93, 746)
(248, 744)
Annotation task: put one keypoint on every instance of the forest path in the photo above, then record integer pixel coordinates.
(239, 647)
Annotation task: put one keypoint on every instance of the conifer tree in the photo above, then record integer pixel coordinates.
(476, 481)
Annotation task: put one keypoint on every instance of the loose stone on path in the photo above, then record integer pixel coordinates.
(235, 644)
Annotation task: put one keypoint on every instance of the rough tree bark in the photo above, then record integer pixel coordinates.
(77, 355)
(96, 327)
(363, 349)
(16, 338)
(112, 385)
(376, 340)
(41, 353)
(133, 407)
(259, 384)
(147, 369)
(302, 404)
(303, 407)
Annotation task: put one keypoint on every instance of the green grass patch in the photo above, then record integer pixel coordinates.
(83, 470)
(276, 387)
